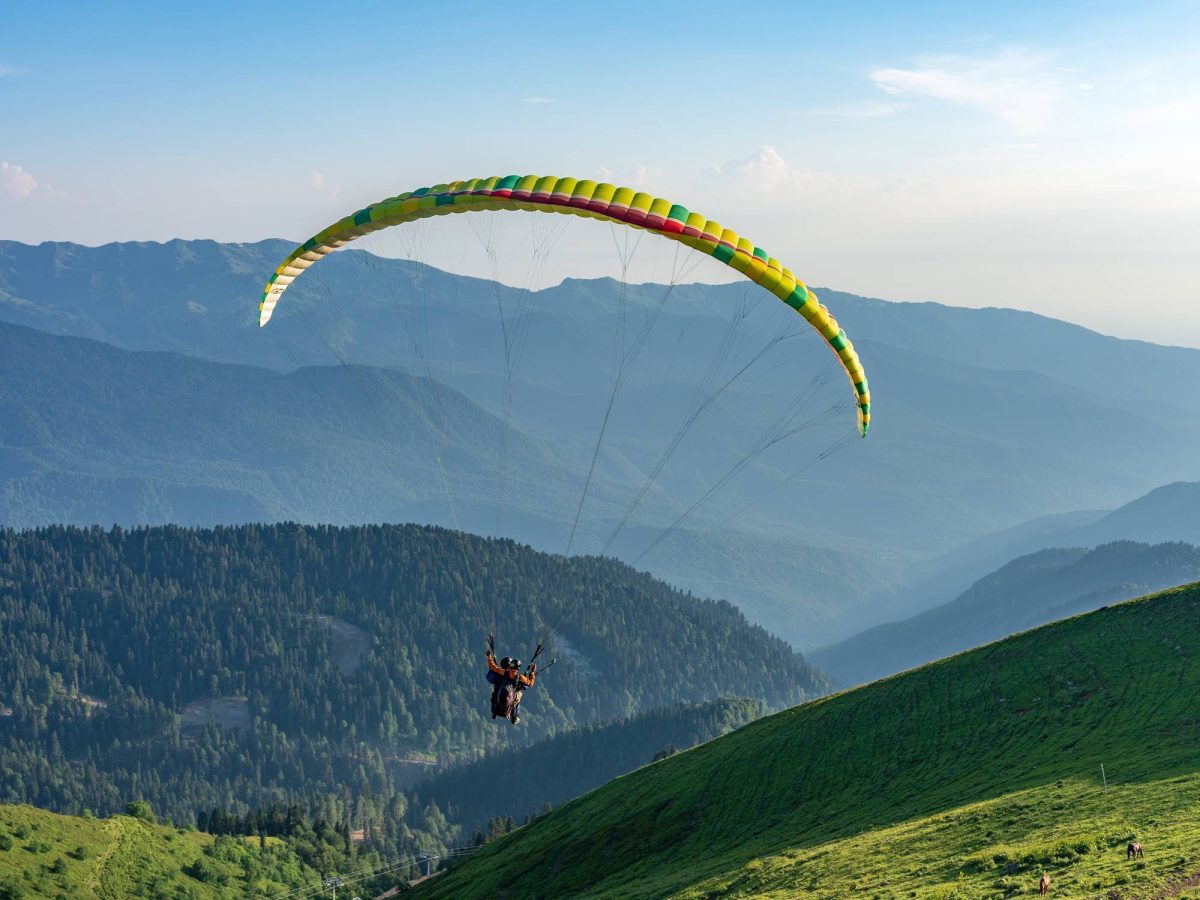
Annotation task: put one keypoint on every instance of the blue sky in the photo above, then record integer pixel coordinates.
(1042, 156)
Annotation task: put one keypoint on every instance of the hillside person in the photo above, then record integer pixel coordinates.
(508, 686)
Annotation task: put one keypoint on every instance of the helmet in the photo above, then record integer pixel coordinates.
(514, 663)
(506, 663)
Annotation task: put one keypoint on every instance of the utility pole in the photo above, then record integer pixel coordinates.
(333, 882)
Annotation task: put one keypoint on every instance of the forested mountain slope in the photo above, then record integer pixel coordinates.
(524, 781)
(90, 434)
(1029, 591)
(339, 659)
(968, 777)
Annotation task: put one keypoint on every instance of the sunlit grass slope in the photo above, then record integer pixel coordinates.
(43, 854)
(934, 783)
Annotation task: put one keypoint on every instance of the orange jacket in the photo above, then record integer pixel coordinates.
(510, 674)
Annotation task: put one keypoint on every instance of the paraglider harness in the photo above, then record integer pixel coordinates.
(506, 689)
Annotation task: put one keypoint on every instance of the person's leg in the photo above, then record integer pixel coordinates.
(516, 710)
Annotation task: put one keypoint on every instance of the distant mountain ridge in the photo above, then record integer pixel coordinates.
(1030, 591)
(1167, 514)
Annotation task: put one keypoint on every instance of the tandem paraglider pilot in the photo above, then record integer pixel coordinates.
(508, 685)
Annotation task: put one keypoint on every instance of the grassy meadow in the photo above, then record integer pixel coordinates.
(43, 854)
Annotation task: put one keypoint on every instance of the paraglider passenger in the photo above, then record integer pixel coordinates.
(508, 686)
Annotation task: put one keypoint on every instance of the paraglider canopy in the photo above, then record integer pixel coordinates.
(589, 199)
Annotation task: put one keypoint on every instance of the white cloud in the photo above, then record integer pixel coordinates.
(15, 180)
(324, 188)
(7, 70)
(764, 170)
(1019, 88)
(645, 176)
(641, 176)
(536, 101)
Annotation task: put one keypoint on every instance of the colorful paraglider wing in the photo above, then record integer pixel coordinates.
(593, 200)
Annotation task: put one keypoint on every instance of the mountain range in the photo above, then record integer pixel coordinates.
(380, 392)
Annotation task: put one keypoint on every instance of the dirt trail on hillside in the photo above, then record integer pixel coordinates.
(1179, 887)
(117, 827)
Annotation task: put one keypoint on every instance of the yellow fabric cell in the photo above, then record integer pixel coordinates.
(564, 186)
(660, 207)
(741, 263)
(769, 278)
(783, 289)
(641, 201)
(604, 192)
(622, 196)
(585, 190)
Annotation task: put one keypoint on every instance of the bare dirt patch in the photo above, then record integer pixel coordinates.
(576, 656)
(228, 712)
(88, 701)
(1186, 885)
(408, 770)
(350, 643)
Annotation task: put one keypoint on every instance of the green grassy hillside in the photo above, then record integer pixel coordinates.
(43, 854)
(966, 778)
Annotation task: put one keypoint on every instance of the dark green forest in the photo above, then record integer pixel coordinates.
(346, 664)
(520, 782)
